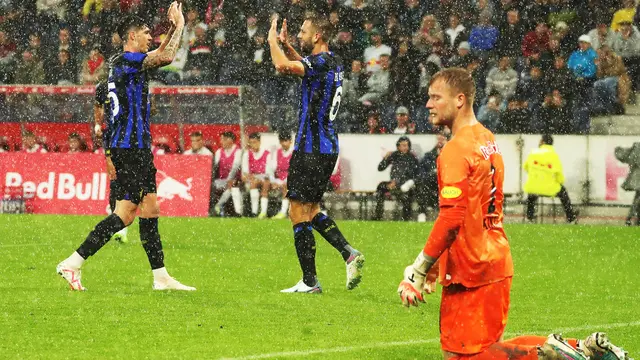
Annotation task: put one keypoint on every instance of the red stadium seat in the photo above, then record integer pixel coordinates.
(13, 133)
(168, 134)
(55, 135)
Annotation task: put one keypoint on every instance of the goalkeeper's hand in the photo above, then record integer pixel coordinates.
(411, 287)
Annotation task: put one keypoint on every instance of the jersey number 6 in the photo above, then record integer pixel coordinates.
(336, 104)
(115, 104)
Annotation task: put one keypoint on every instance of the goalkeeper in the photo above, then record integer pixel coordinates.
(470, 246)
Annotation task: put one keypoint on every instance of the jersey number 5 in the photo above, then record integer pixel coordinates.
(115, 104)
(335, 105)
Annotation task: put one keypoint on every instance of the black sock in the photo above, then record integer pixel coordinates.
(329, 230)
(150, 238)
(306, 248)
(100, 235)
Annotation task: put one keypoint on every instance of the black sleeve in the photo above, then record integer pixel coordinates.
(384, 164)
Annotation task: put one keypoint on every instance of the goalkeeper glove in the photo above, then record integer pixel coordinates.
(412, 286)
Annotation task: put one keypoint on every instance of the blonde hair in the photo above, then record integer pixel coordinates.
(459, 80)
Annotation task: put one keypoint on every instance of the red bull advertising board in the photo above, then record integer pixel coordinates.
(78, 184)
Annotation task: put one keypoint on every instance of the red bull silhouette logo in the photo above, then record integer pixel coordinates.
(169, 188)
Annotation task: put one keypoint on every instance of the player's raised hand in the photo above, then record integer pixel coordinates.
(175, 13)
(273, 31)
(284, 35)
(411, 287)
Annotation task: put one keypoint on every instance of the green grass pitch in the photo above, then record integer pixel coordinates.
(573, 279)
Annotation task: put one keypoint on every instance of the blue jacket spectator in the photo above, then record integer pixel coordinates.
(582, 62)
(484, 36)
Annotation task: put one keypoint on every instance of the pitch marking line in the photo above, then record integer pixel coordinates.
(344, 349)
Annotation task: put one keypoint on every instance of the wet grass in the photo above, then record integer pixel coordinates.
(572, 278)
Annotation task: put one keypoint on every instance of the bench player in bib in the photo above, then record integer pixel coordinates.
(255, 175)
(129, 146)
(468, 249)
(316, 147)
(280, 171)
(226, 167)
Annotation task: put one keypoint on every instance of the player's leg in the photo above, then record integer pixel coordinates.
(566, 204)
(69, 268)
(120, 236)
(264, 198)
(236, 196)
(284, 207)
(305, 248)
(381, 192)
(152, 244)
(531, 204)
(254, 195)
(220, 185)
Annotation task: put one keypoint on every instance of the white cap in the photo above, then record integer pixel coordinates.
(585, 38)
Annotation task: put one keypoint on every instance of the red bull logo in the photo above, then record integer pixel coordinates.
(169, 188)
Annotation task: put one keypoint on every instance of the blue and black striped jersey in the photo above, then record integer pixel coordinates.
(320, 95)
(128, 115)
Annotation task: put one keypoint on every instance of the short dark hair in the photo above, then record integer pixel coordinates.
(322, 25)
(196, 134)
(254, 135)
(128, 23)
(547, 139)
(229, 134)
(284, 136)
(28, 133)
(75, 135)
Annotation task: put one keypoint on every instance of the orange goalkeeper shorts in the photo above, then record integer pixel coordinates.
(472, 319)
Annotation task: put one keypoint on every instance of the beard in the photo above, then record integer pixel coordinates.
(306, 48)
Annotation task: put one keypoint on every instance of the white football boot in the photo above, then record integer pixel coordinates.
(598, 347)
(301, 287)
(171, 284)
(354, 270)
(555, 348)
(72, 275)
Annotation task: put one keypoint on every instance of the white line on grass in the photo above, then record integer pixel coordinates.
(343, 349)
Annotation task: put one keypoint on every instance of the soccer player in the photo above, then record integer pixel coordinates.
(197, 145)
(129, 146)
(280, 171)
(316, 148)
(226, 162)
(255, 175)
(101, 99)
(470, 246)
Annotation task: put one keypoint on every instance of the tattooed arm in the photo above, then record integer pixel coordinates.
(167, 51)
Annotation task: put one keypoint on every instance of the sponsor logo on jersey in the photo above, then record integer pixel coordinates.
(490, 149)
(450, 192)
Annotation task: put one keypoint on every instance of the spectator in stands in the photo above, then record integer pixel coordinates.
(484, 8)
(94, 68)
(559, 77)
(483, 36)
(198, 68)
(30, 145)
(490, 114)
(611, 90)
(404, 124)
(344, 46)
(76, 144)
(279, 171)
(404, 169)
(533, 87)
(511, 35)
(64, 72)
(63, 43)
(427, 180)
(517, 117)
(255, 175)
(624, 15)
(545, 178)
(373, 124)
(7, 58)
(405, 76)
(49, 15)
(30, 70)
(378, 82)
(462, 57)
(565, 36)
(411, 15)
(373, 53)
(502, 79)
(626, 43)
(631, 156)
(197, 145)
(554, 115)
(427, 35)
(582, 63)
(536, 41)
(601, 35)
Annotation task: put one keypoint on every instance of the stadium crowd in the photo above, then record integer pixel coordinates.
(539, 66)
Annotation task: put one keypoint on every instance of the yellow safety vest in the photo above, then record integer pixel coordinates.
(544, 172)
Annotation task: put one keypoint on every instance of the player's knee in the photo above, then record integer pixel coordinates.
(150, 211)
(126, 216)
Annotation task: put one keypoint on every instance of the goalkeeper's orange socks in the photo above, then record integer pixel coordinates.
(306, 249)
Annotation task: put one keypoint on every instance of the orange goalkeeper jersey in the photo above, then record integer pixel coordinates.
(468, 236)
